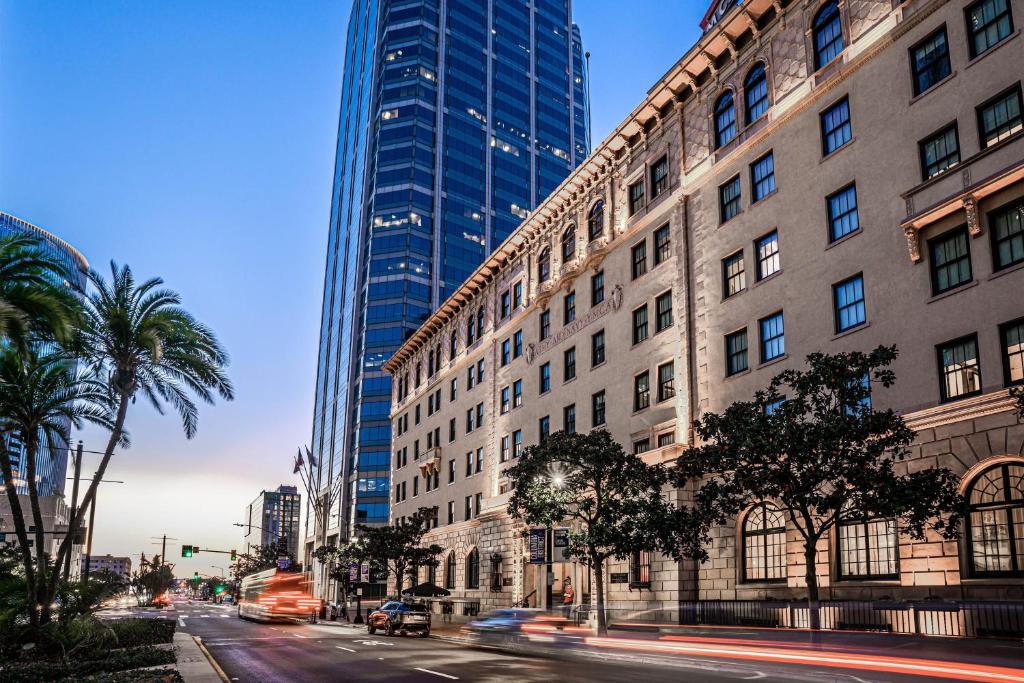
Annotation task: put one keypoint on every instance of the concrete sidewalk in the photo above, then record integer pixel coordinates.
(195, 664)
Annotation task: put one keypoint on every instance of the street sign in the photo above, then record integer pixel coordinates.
(364, 572)
(538, 546)
(353, 572)
(283, 563)
(561, 543)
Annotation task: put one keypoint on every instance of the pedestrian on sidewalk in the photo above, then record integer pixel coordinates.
(568, 597)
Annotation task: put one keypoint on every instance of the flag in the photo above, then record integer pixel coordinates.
(298, 462)
(312, 460)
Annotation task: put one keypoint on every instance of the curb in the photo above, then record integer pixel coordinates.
(211, 660)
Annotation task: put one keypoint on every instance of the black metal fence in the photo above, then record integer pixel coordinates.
(454, 606)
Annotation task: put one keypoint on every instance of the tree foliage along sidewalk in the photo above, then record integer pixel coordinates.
(812, 445)
(611, 500)
(396, 550)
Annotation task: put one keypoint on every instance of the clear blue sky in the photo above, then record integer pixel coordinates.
(195, 141)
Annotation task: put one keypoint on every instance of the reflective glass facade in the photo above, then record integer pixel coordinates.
(456, 119)
(52, 460)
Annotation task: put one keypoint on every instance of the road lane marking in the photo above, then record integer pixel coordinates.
(296, 635)
(436, 673)
(346, 649)
(181, 622)
(372, 642)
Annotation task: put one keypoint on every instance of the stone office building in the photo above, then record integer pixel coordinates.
(823, 175)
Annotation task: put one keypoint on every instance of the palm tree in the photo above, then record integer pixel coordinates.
(33, 303)
(41, 396)
(137, 339)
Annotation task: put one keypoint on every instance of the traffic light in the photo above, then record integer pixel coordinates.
(186, 551)
(234, 555)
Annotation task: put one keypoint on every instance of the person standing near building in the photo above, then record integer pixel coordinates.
(568, 597)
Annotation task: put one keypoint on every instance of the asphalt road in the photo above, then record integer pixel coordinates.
(251, 652)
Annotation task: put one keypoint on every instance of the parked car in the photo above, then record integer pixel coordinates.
(400, 617)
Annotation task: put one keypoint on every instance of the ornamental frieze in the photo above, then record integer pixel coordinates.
(612, 303)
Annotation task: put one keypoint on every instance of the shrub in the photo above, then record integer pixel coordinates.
(136, 632)
(115, 661)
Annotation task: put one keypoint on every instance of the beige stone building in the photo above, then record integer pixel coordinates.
(811, 175)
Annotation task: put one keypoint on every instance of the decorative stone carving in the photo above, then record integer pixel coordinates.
(973, 221)
(913, 243)
(612, 303)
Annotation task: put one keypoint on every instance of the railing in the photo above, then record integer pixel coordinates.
(454, 606)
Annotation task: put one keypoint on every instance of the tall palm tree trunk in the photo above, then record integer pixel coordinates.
(31, 448)
(20, 530)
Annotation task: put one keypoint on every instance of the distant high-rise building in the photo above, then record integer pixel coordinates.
(121, 566)
(52, 460)
(456, 119)
(272, 517)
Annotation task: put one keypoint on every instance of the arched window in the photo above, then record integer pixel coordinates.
(432, 574)
(725, 119)
(449, 571)
(595, 221)
(473, 569)
(995, 534)
(568, 244)
(544, 266)
(764, 544)
(755, 93)
(828, 34)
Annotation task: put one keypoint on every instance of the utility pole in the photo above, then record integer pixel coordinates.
(88, 545)
(163, 545)
(74, 501)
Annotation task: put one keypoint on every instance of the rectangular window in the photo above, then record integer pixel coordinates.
(569, 311)
(517, 294)
(959, 369)
(636, 197)
(836, 129)
(469, 464)
(640, 324)
(848, 303)
(843, 218)
(641, 446)
(506, 399)
(729, 200)
(762, 177)
(506, 352)
(929, 61)
(451, 430)
(950, 260)
(469, 420)
(663, 309)
(773, 339)
(569, 419)
(470, 377)
(868, 549)
(640, 569)
(545, 324)
(666, 381)
(415, 486)
(543, 428)
(659, 176)
(1007, 227)
(666, 439)
(569, 365)
(940, 152)
(451, 471)
(517, 443)
(736, 352)
(506, 448)
(734, 278)
(479, 414)
(597, 288)
(479, 460)
(662, 245)
(480, 371)
(517, 393)
(597, 348)
(451, 519)
(639, 259)
(597, 406)
(1011, 335)
(988, 23)
(545, 378)
(506, 304)
(1001, 117)
(469, 508)
(641, 391)
(767, 249)
(517, 344)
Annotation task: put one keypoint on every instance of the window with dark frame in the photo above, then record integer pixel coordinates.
(773, 337)
(1011, 336)
(569, 419)
(736, 352)
(767, 249)
(544, 265)
(597, 409)
(636, 197)
(666, 439)
(940, 152)
(836, 129)
(734, 278)
(666, 381)
(597, 348)
(764, 544)
(569, 308)
(641, 445)
(950, 260)
(755, 93)
(868, 549)
(517, 393)
(929, 61)
(506, 399)
(843, 217)
(506, 352)
(638, 259)
(1007, 228)
(506, 449)
(729, 200)
(1000, 117)
(827, 34)
(506, 306)
(517, 344)
(659, 176)
(641, 391)
(517, 294)
(640, 569)
(595, 221)
(725, 119)
(569, 365)
(640, 324)
(959, 369)
(662, 245)
(848, 303)
(597, 288)
(995, 528)
(545, 378)
(569, 243)
(545, 324)
(543, 428)
(762, 177)
(663, 312)
(989, 22)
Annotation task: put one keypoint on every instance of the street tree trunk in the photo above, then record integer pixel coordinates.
(21, 531)
(602, 622)
(31, 448)
(811, 575)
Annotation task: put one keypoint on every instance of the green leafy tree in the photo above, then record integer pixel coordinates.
(396, 549)
(33, 303)
(152, 580)
(611, 500)
(41, 395)
(138, 339)
(260, 558)
(811, 444)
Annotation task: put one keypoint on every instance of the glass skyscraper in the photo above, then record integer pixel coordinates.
(52, 459)
(457, 118)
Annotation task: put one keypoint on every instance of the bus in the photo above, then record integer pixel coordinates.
(273, 595)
